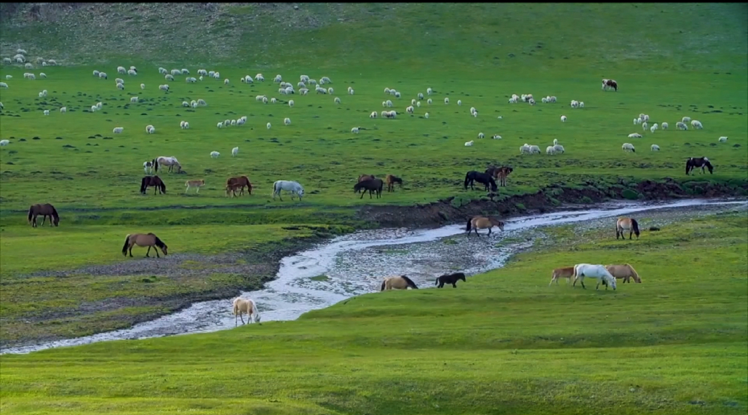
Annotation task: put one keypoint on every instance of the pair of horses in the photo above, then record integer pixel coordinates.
(145, 240)
(390, 180)
(402, 282)
(152, 181)
(483, 222)
(624, 271)
(499, 173)
(370, 183)
(700, 162)
(238, 183)
(44, 210)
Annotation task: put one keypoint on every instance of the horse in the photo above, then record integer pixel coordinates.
(483, 222)
(391, 180)
(44, 210)
(141, 239)
(486, 179)
(363, 177)
(154, 181)
(624, 271)
(238, 183)
(245, 306)
(197, 184)
(398, 283)
(449, 279)
(372, 185)
(694, 163)
(598, 272)
(610, 83)
(627, 224)
(289, 186)
(566, 272)
(502, 173)
(169, 162)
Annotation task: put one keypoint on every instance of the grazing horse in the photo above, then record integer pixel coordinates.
(624, 271)
(170, 162)
(483, 222)
(502, 174)
(627, 224)
(238, 183)
(372, 185)
(695, 163)
(154, 181)
(610, 83)
(474, 176)
(566, 272)
(363, 177)
(391, 180)
(44, 210)
(398, 283)
(599, 272)
(449, 279)
(141, 239)
(245, 306)
(289, 186)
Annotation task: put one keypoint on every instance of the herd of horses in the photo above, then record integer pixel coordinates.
(488, 178)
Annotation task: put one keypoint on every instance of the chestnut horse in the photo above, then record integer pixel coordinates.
(44, 210)
(499, 173)
(154, 181)
(238, 183)
(391, 180)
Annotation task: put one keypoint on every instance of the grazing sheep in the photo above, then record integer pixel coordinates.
(103, 75)
(268, 125)
(273, 100)
(534, 150)
(325, 80)
(681, 126)
(330, 91)
(481, 135)
(446, 100)
(655, 147)
(685, 119)
(164, 87)
(524, 148)
(121, 69)
(42, 75)
(558, 148)
(336, 100)
(8, 76)
(354, 130)
(99, 105)
(459, 102)
(397, 95)
(226, 81)
(184, 125)
(555, 141)
(63, 110)
(162, 70)
(409, 109)
(290, 103)
(574, 104)
(4, 143)
(277, 79)
(186, 104)
(722, 139)
(94, 108)
(653, 128)
(413, 101)
(133, 99)
(628, 147)
(418, 104)
(373, 114)
(645, 126)
(420, 95)
(389, 103)
(46, 112)
(563, 118)
(550, 150)
(150, 129)
(287, 121)
(429, 101)
(118, 130)
(176, 72)
(664, 126)
(426, 115)
(214, 154)
(389, 114)
(350, 91)
(531, 101)
(219, 125)
(581, 104)
(635, 135)
(469, 144)
(496, 137)
(3, 85)
(259, 77)
(132, 72)
(234, 151)
(697, 124)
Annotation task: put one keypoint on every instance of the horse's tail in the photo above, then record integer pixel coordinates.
(410, 282)
(127, 242)
(636, 274)
(635, 225)
(467, 179)
(688, 164)
(469, 224)
(437, 281)
(274, 185)
(143, 184)
(31, 213)
(155, 165)
(384, 283)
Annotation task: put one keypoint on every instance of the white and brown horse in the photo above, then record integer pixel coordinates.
(397, 282)
(627, 224)
(698, 162)
(625, 271)
(610, 83)
(483, 222)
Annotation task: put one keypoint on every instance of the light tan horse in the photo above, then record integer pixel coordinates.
(141, 239)
(398, 282)
(566, 272)
(197, 184)
(627, 224)
(624, 271)
(483, 222)
(245, 306)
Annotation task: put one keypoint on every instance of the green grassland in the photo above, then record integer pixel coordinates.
(504, 342)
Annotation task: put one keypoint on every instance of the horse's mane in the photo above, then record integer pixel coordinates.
(409, 281)
(159, 242)
(636, 274)
(54, 211)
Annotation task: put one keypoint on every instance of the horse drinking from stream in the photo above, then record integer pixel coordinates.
(483, 222)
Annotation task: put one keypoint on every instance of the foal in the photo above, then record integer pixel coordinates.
(449, 279)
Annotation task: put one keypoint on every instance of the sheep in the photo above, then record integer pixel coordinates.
(555, 141)
(184, 125)
(19, 58)
(46, 112)
(628, 147)
(574, 104)
(389, 114)
(373, 114)
(264, 100)
(121, 86)
(697, 124)
(388, 103)
(132, 72)
(524, 148)
(42, 75)
(290, 103)
(273, 100)
(644, 126)
(544, 100)
(552, 98)
(121, 69)
(653, 128)
(226, 81)
(99, 105)
(655, 147)
(534, 150)
(681, 126)
(303, 91)
(185, 104)
(563, 118)
(268, 125)
(63, 110)
(472, 110)
(162, 70)
(459, 102)
(413, 101)
(29, 76)
(43, 94)
(233, 122)
(558, 148)
(397, 94)
(635, 135)
(190, 79)
(336, 100)
(330, 91)
(259, 77)
(481, 135)
(722, 139)
(287, 121)
(656, 126)
(277, 79)
(664, 126)
(409, 109)
(94, 108)
(685, 120)
(7, 61)
(133, 99)
(354, 130)
(496, 137)
(418, 104)
(150, 129)
(4, 143)
(326, 80)
(214, 154)
(469, 144)
(350, 91)
(219, 125)
(550, 150)
(386, 90)
(531, 101)
(118, 130)
(164, 87)
(234, 151)
(103, 75)
(426, 115)
(3, 85)
(420, 95)
(320, 90)
(176, 72)
(581, 104)
(636, 121)
(475, 114)
(52, 62)
(169, 77)
(304, 78)
(429, 101)
(446, 100)
(8, 76)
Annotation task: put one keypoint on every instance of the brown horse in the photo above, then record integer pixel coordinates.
(363, 177)
(372, 185)
(627, 224)
(483, 222)
(238, 183)
(566, 272)
(141, 239)
(154, 181)
(396, 282)
(44, 210)
(391, 180)
(624, 271)
(502, 173)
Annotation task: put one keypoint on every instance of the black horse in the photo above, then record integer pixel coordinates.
(695, 163)
(486, 179)
(154, 181)
(449, 279)
(372, 185)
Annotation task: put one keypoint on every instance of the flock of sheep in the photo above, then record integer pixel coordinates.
(643, 120)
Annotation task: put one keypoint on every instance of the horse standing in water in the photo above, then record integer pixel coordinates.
(627, 224)
(400, 282)
(44, 210)
(700, 162)
(483, 222)
(140, 239)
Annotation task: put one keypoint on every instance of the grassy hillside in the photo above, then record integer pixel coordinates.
(503, 342)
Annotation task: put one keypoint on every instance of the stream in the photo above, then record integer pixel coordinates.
(339, 269)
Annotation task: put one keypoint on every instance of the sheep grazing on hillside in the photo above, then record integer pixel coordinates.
(550, 150)
(559, 149)
(150, 129)
(46, 112)
(697, 124)
(268, 125)
(132, 72)
(354, 130)
(336, 100)
(219, 125)
(653, 128)
(664, 126)
(42, 75)
(429, 101)
(581, 104)
(496, 137)
(164, 87)
(63, 110)
(287, 121)
(459, 102)
(259, 77)
(446, 100)
(4, 143)
(121, 69)
(563, 118)
(574, 103)
(226, 81)
(409, 109)
(184, 125)
(3, 85)
(524, 149)
(681, 126)
(133, 99)
(277, 79)
(118, 130)
(722, 139)
(373, 114)
(685, 119)
(644, 126)
(290, 103)
(635, 135)
(655, 147)
(214, 154)
(628, 147)
(273, 100)
(481, 135)
(469, 144)
(426, 115)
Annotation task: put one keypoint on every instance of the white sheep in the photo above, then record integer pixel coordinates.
(234, 151)
(628, 147)
(653, 128)
(214, 154)
(722, 139)
(524, 148)
(42, 75)
(685, 119)
(534, 149)
(63, 110)
(496, 137)
(446, 100)
(681, 126)
(354, 130)
(426, 115)
(164, 87)
(121, 69)
(635, 135)
(268, 125)
(46, 112)
(429, 101)
(664, 126)
(277, 78)
(99, 105)
(550, 150)
(94, 108)
(413, 101)
(336, 100)
(469, 143)
(259, 78)
(103, 75)
(150, 129)
(409, 109)
(697, 124)
(3, 85)
(226, 81)
(373, 114)
(133, 99)
(397, 94)
(644, 126)
(558, 148)
(162, 70)
(118, 130)
(290, 103)
(418, 104)
(563, 118)
(555, 141)
(330, 91)
(287, 121)
(169, 77)
(273, 100)
(219, 125)
(388, 103)
(481, 135)
(531, 101)
(655, 147)
(459, 102)
(581, 104)
(4, 143)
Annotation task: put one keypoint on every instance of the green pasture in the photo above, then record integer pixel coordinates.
(503, 342)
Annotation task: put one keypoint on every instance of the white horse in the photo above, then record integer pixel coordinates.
(593, 271)
(248, 307)
(294, 187)
(170, 162)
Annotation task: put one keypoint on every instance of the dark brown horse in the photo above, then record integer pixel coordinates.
(154, 181)
(372, 185)
(363, 177)
(141, 239)
(700, 162)
(391, 180)
(45, 210)
(484, 178)
(449, 279)
(238, 183)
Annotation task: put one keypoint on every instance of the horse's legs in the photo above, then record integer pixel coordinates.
(156, 251)
(631, 232)
(454, 284)
(131, 245)
(147, 252)
(241, 316)
(489, 231)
